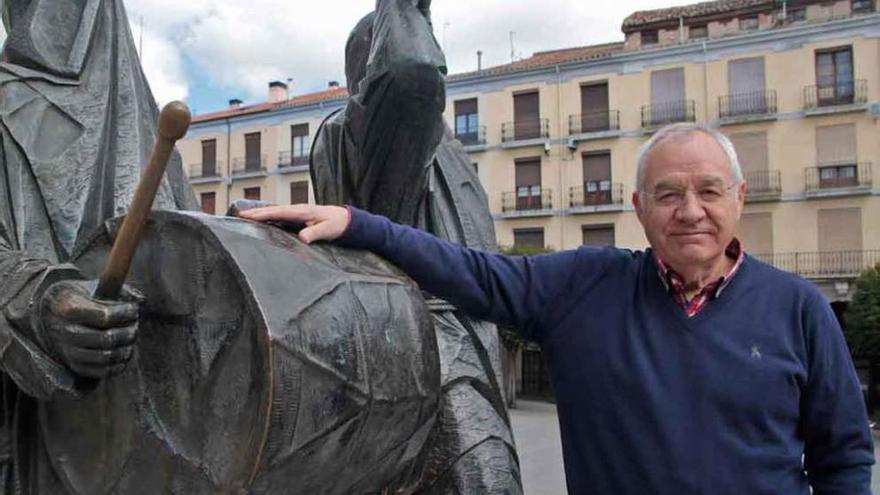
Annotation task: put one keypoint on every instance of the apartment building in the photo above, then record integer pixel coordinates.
(554, 137)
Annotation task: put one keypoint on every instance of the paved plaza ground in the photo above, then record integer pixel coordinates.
(540, 452)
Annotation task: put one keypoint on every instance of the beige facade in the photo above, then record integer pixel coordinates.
(809, 148)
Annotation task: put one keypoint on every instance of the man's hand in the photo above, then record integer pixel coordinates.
(323, 223)
(93, 338)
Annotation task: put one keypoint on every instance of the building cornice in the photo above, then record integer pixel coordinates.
(776, 39)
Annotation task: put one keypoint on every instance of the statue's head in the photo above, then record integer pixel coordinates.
(357, 52)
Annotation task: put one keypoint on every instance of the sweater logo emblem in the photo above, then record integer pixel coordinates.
(756, 352)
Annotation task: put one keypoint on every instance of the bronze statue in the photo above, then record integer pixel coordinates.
(237, 360)
(391, 152)
(76, 124)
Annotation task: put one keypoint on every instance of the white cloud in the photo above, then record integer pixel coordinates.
(241, 45)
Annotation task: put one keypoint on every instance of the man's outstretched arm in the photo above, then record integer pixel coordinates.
(514, 290)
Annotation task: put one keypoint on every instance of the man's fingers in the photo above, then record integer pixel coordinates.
(289, 213)
(89, 338)
(326, 230)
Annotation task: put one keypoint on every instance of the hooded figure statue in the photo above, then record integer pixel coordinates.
(390, 151)
(77, 121)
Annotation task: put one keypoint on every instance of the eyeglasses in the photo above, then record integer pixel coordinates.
(671, 195)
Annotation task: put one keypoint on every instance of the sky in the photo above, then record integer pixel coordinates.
(207, 51)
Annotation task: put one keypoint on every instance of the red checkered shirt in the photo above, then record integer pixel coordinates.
(675, 284)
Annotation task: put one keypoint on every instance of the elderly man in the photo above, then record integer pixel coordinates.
(687, 368)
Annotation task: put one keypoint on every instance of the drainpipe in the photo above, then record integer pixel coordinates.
(228, 161)
(561, 154)
(705, 83)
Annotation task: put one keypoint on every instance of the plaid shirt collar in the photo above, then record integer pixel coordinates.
(675, 284)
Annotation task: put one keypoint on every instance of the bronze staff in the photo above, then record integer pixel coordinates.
(173, 124)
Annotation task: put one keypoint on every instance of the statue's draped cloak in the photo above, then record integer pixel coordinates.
(77, 121)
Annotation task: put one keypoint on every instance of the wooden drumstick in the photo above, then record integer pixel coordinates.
(173, 124)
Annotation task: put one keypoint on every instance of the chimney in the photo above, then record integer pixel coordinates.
(278, 92)
(333, 84)
(235, 104)
(479, 60)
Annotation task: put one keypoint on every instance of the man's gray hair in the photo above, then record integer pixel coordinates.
(678, 131)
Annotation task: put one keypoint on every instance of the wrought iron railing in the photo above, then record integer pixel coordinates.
(249, 165)
(205, 170)
(526, 129)
(745, 104)
(763, 182)
(542, 199)
(594, 122)
(823, 264)
(288, 159)
(472, 137)
(668, 113)
(838, 176)
(848, 93)
(595, 194)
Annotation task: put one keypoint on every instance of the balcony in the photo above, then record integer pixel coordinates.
(474, 137)
(836, 95)
(249, 166)
(594, 122)
(525, 130)
(670, 112)
(597, 195)
(205, 172)
(532, 202)
(838, 179)
(763, 185)
(287, 159)
(831, 264)
(746, 106)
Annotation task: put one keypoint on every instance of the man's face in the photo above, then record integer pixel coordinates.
(691, 203)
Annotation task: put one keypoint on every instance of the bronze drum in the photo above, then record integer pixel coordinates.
(263, 365)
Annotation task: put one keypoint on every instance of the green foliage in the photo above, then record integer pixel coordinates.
(863, 316)
(510, 338)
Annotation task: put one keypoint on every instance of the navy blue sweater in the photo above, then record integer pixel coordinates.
(651, 402)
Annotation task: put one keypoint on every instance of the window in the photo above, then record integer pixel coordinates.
(838, 176)
(528, 238)
(252, 158)
(594, 108)
(299, 144)
(840, 241)
(697, 32)
(834, 76)
(597, 178)
(209, 203)
(209, 158)
(252, 193)
(836, 144)
(528, 184)
(649, 37)
(467, 121)
(755, 230)
(598, 235)
(752, 151)
(862, 6)
(748, 23)
(745, 78)
(667, 97)
(796, 14)
(299, 192)
(526, 115)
